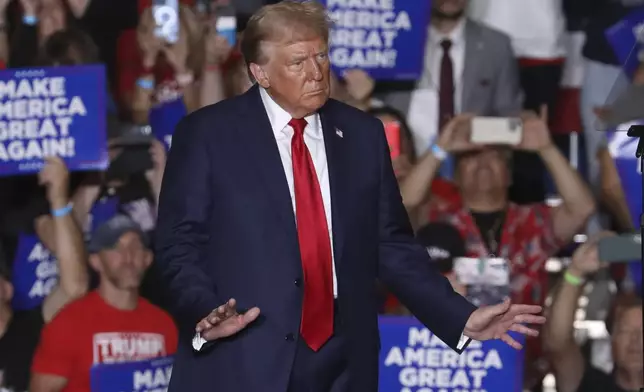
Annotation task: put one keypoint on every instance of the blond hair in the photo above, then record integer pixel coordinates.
(286, 21)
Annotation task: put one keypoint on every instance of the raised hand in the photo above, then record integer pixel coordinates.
(494, 322)
(149, 43)
(585, 260)
(536, 134)
(359, 84)
(225, 321)
(455, 136)
(54, 176)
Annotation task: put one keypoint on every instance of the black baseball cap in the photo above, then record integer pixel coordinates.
(107, 235)
(128, 134)
(443, 242)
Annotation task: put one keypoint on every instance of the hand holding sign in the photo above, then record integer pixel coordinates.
(55, 177)
(225, 321)
(494, 322)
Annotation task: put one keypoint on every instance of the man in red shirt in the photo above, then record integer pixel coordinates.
(110, 326)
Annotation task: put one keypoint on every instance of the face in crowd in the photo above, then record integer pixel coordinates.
(483, 171)
(626, 338)
(448, 9)
(123, 265)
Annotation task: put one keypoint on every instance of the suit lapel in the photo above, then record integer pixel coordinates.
(473, 50)
(262, 148)
(335, 146)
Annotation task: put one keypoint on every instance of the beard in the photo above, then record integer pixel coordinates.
(127, 278)
(451, 16)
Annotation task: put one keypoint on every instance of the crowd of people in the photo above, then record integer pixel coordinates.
(100, 301)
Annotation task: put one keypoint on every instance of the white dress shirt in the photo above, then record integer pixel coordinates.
(314, 140)
(422, 124)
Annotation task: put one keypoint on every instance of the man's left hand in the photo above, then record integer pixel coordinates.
(494, 322)
(536, 134)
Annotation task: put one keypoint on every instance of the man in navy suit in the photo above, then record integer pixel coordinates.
(286, 201)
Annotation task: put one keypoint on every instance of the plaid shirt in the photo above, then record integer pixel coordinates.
(527, 241)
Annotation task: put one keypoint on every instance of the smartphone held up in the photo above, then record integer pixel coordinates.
(392, 132)
(496, 130)
(166, 19)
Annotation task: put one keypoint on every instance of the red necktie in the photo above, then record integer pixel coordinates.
(446, 88)
(315, 246)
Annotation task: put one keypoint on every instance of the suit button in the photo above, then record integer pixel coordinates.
(289, 337)
(298, 282)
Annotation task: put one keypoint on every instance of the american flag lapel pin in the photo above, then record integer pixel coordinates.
(339, 132)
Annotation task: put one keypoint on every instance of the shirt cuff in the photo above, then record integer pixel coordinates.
(462, 342)
(198, 342)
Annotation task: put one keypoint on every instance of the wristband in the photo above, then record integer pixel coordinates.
(184, 79)
(572, 279)
(30, 20)
(212, 67)
(145, 84)
(60, 212)
(438, 152)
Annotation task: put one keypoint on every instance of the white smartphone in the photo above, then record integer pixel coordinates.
(166, 18)
(496, 130)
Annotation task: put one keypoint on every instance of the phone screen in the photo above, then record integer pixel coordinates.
(226, 26)
(166, 18)
(392, 131)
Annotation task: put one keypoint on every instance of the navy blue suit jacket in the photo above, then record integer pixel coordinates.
(226, 229)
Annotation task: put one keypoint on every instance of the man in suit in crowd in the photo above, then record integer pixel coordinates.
(469, 68)
(286, 201)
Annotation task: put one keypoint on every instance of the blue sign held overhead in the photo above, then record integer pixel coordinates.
(386, 38)
(626, 38)
(34, 274)
(412, 359)
(164, 117)
(623, 148)
(142, 376)
(54, 111)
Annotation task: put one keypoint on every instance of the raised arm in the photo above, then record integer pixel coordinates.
(558, 338)
(67, 240)
(182, 226)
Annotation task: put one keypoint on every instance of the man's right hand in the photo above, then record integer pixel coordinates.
(225, 321)
(455, 135)
(585, 260)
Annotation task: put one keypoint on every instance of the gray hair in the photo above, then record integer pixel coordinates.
(289, 21)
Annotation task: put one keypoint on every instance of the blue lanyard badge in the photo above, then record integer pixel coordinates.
(35, 273)
(145, 376)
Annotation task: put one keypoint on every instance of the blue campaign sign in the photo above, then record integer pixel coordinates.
(165, 117)
(386, 38)
(57, 111)
(34, 273)
(622, 148)
(412, 359)
(626, 38)
(141, 376)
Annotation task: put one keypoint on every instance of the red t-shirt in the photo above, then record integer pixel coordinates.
(89, 332)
